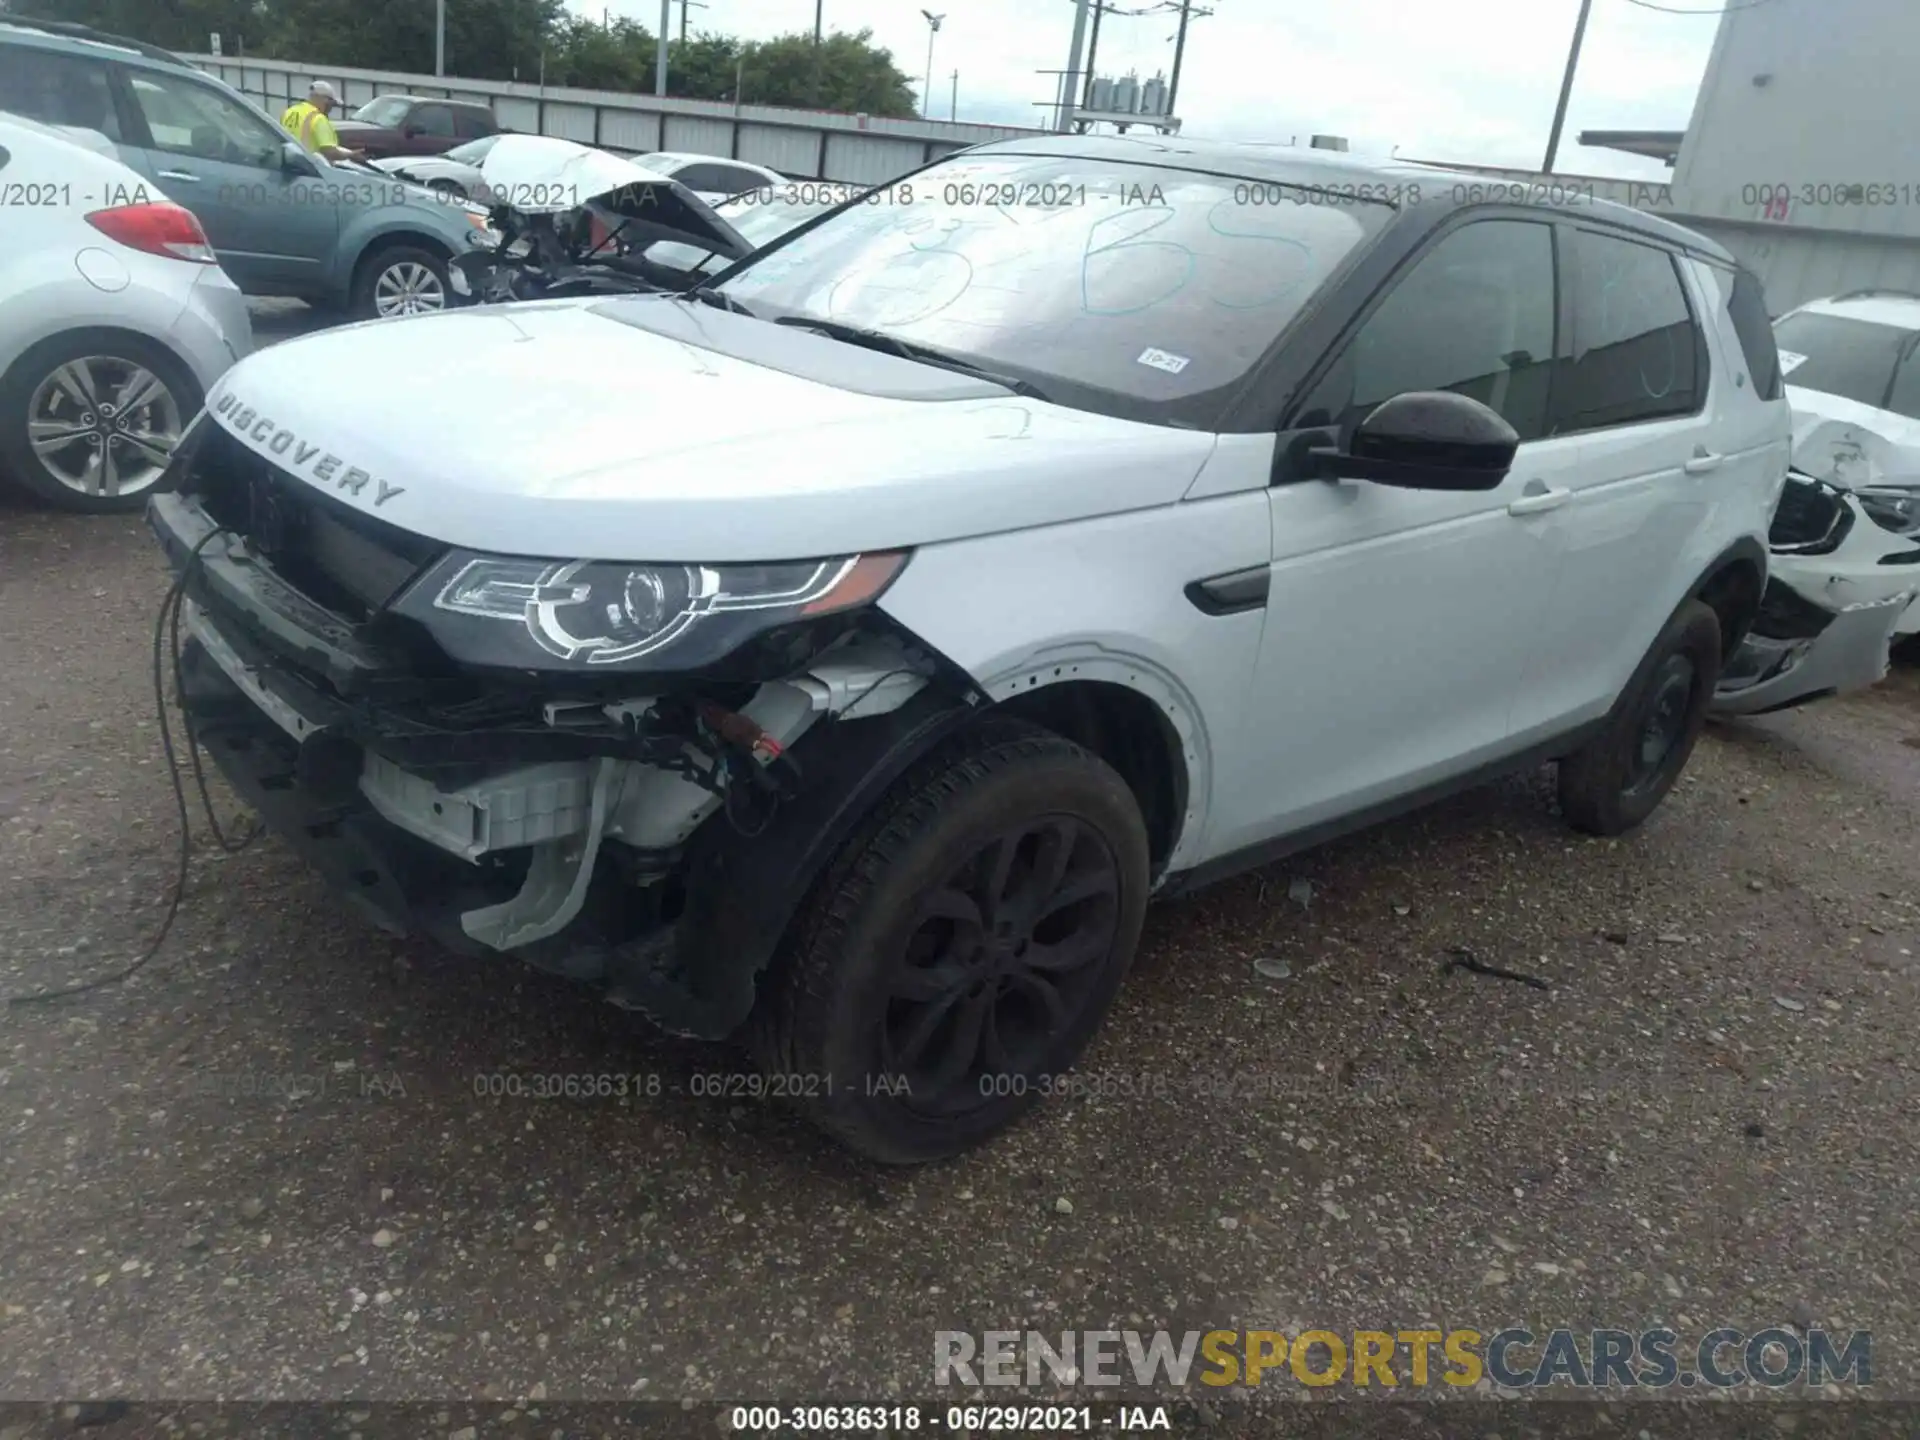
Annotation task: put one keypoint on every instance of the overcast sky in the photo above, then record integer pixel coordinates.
(1469, 81)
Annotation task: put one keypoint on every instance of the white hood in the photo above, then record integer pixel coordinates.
(543, 174)
(1851, 444)
(549, 429)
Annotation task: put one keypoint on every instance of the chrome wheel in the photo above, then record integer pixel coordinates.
(408, 287)
(103, 426)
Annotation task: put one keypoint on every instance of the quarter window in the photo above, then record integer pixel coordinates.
(57, 89)
(1638, 354)
(1475, 315)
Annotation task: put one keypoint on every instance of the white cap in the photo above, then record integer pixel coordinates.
(321, 87)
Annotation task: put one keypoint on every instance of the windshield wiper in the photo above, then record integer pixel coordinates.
(720, 301)
(908, 350)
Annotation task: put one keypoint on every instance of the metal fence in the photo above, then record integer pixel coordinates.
(806, 144)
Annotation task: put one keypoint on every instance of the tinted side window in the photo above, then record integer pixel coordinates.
(1637, 353)
(57, 89)
(1476, 315)
(703, 177)
(1747, 305)
(434, 120)
(470, 122)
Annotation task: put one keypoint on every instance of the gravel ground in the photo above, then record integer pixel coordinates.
(1706, 1119)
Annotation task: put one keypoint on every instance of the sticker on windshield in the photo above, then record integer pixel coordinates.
(1789, 362)
(1162, 360)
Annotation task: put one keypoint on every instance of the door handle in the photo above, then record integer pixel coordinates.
(1702, 462)
(1538, 499)
(179, 175)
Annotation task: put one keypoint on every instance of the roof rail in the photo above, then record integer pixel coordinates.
(1873, 292)
(68, 30)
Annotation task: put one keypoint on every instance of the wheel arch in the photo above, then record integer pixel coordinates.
(376, 242)
(1731, 587)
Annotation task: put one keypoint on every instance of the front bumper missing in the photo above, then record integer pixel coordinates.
(1851, 653)
(496, 855)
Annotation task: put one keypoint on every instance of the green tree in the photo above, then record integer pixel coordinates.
(511, 39)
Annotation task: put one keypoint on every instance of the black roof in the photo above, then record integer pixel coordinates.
(1302, 166)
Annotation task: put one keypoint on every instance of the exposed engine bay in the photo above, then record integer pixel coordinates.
(610, 827)
(577, 221)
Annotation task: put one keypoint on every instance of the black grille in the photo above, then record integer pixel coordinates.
(1811, 518)
(338, 556)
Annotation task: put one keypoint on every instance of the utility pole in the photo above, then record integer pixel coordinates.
(1070, 82)
(660, 56)
(1566, 87)
(440, 37)
(1179, 52)
(953, 105)
(1093, 49)
(813, 85)
(926, 93)
(686, 5)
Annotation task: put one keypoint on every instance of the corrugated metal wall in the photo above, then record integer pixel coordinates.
(1796, 266)
(806, 144)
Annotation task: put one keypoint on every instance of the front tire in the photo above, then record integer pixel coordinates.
(400, 280)
(962, 947)
(89, 419)
(1620, 777)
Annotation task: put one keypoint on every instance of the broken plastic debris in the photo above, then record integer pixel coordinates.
(1785, 1003)
(1273, 969)
(1300, 891)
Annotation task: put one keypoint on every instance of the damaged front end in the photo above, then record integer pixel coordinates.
(1844, 582)
(626, 774)
(573, 221)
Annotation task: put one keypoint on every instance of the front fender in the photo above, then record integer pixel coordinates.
(698, 979)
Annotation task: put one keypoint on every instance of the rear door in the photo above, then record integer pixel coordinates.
(1641, 391)
(270, 227)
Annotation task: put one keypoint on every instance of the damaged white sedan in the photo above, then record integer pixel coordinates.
(1844, 584)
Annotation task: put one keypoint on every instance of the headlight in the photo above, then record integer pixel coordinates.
(1897, 510)
(598, 614)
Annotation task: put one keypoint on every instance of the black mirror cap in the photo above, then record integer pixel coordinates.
(1433, 440)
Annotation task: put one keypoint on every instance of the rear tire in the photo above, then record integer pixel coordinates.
(75, 383)
(916, 961)
(1619, 778)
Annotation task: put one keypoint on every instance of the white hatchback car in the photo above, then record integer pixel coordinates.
(839, 654)
(712, 177)
(115, 319)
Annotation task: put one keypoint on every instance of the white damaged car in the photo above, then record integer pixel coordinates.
(839, 654)
(1845, 577)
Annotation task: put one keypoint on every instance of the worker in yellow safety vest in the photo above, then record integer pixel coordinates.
(306, 120)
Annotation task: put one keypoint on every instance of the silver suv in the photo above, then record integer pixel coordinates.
(841, 652)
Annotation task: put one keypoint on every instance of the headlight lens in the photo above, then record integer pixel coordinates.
(595, 614)
(1897, 510)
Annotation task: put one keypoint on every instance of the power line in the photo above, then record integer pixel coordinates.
(1675, 10)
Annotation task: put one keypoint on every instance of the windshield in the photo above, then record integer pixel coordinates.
(387, 110)
(474, 151)
(760, 220)
(1854, 359)
(1133, 284)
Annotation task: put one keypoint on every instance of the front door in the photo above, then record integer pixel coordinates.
(271, 228)
(1400, 622)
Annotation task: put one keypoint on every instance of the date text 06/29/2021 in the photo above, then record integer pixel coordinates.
(1019, 1419)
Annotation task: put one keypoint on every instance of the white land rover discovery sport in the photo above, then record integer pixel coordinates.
(839, 656)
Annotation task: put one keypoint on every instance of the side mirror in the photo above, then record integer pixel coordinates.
(296, 161)
(1425, 440)
(410, 130)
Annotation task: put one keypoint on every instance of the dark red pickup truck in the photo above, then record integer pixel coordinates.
(413, 125)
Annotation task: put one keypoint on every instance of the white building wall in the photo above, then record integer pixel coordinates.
(1803, 100)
